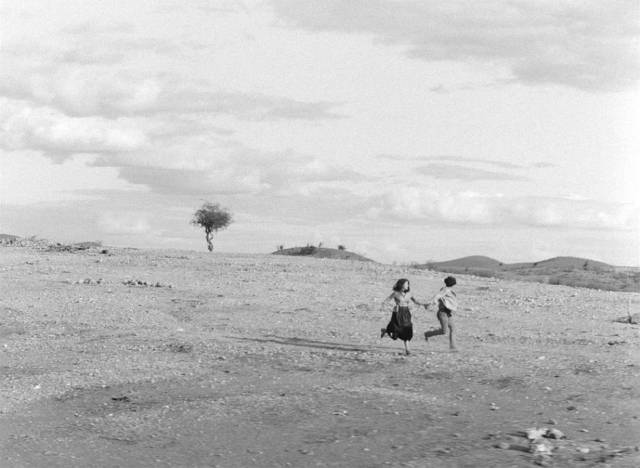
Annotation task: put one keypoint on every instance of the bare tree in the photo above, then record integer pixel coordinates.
(212, 218)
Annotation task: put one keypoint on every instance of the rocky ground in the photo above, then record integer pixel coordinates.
(116, 357)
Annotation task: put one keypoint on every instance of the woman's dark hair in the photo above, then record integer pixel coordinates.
(398, 286)
(449, 281)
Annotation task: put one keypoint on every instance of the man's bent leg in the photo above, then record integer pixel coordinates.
(443, 327)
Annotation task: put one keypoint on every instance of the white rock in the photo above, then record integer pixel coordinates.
(534, 434)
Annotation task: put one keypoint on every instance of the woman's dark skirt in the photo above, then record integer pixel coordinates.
(400, 325)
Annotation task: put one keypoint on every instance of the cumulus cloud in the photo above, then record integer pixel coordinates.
(587, 45)
(423, 205)
(48, 130)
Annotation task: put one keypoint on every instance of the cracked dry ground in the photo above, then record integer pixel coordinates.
(182, 359)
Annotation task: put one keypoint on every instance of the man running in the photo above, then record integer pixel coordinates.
(447, 303)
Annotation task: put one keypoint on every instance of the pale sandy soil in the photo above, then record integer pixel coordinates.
(277, 361)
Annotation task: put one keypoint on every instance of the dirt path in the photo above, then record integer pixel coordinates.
(275, 361)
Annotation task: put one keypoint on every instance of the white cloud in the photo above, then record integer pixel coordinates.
(424, 205)
(115, 91)
(48, 130)
(588, 45)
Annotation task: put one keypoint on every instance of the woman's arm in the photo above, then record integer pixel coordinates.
(413, 299)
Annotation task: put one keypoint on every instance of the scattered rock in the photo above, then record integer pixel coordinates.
(122, 399)
(554, 434)
(541, 448)
(141, 283)
(535, 434)
(633, 319)
(180, 347)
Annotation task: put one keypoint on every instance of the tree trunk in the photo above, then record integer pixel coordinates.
(209, 242)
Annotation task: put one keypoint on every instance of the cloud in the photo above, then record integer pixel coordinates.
(490, 162)
(586, 45)
(451, 171)
(543, 165)
(232, 170)
(89, 91)
(124, 222)
(48, 130)
(423, 205)
(192, 182)
(458, 159)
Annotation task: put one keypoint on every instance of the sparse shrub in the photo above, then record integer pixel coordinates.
(281, 247)
(308, 250)
(342, 247)
(320, 245)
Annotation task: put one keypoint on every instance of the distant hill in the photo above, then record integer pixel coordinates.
(8, 238)
(475, 261)
(322, 252)
(569, 271)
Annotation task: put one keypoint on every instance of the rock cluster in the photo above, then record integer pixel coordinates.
(157, 284)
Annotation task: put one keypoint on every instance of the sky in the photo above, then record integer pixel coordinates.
(407, 131)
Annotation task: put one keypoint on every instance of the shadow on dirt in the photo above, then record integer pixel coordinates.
(307, 343)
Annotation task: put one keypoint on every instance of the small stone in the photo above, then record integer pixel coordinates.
(541, 448)
(503, 445)
(552, 422)
(571, 408)
(583, 449)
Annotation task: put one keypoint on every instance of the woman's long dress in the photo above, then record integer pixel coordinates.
(400, 325)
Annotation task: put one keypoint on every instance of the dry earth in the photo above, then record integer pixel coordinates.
(239, 361)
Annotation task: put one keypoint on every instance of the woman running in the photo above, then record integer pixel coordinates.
(400, 325)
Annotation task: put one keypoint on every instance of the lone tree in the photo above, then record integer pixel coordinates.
(212, 218)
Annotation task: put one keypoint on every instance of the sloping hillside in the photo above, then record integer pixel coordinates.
(569, 271)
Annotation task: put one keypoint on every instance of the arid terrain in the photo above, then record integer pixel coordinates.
(127, 358)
